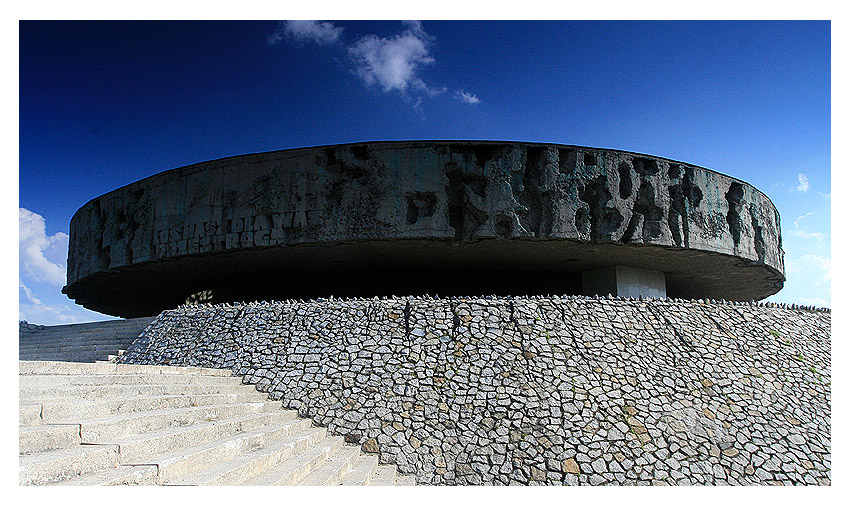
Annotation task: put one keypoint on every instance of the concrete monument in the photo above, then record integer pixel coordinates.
(447, 217)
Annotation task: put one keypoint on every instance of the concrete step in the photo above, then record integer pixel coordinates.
(80, 329)
(42, 342)
(251, 461)
(183, 463)
(50, 335)
(63, 411)
(125, 334)
(97, 325)
(66, 355)
(138, 449)
(36, 341)
(114, 424)
(55, 381)
(47, 437)
(37, 394)
(121, 475)
(72, 355)
(109, 429)
(57, 342)
(58, 465)
(44, 348)
(334, 468)
(385, 475)
(29, 414)
(405, 481)
(32, 344)
(83, 342)
(362, 472)
(83, 357)
(70, 368)
(76, 355)
(297, 468)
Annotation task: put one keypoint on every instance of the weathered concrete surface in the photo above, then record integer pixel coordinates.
(414, 217)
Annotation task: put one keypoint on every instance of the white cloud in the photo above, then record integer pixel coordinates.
(818, 236)
(393, 63)
(42, 272)
(34, 244)
(797, 220)
(799, 232)
(809, 264)
(808, 281)
(469, 98)
(28, 293)
(803, 182)
(34, 310)
(306, 31)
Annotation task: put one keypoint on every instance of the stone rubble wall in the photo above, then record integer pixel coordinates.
(536, 390)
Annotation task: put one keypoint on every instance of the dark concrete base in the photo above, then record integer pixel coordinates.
(493, 266)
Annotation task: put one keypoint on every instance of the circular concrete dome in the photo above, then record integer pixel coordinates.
(397, 218)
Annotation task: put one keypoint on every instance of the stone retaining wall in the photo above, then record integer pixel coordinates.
(569, 390)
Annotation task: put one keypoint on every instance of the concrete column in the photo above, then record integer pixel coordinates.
(624, 281)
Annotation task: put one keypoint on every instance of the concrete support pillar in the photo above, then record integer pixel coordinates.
(624, 281)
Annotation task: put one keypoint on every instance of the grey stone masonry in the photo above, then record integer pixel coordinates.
(536, 390)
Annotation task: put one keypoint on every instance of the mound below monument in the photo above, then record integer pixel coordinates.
(539, 390)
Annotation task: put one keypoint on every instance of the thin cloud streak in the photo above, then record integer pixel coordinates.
(469, 98)
(799, 232)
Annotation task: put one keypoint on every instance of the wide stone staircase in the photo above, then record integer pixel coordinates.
(117, 424)
(80, 342)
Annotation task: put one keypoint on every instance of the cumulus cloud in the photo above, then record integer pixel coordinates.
(35, 244)
(469, 98)
(393, 63)
(802, 182)
(42, 272)
(306, 31)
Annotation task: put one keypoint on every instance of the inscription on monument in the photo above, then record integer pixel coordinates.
(240, 232)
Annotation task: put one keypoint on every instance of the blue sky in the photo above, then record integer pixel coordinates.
(103, 104)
